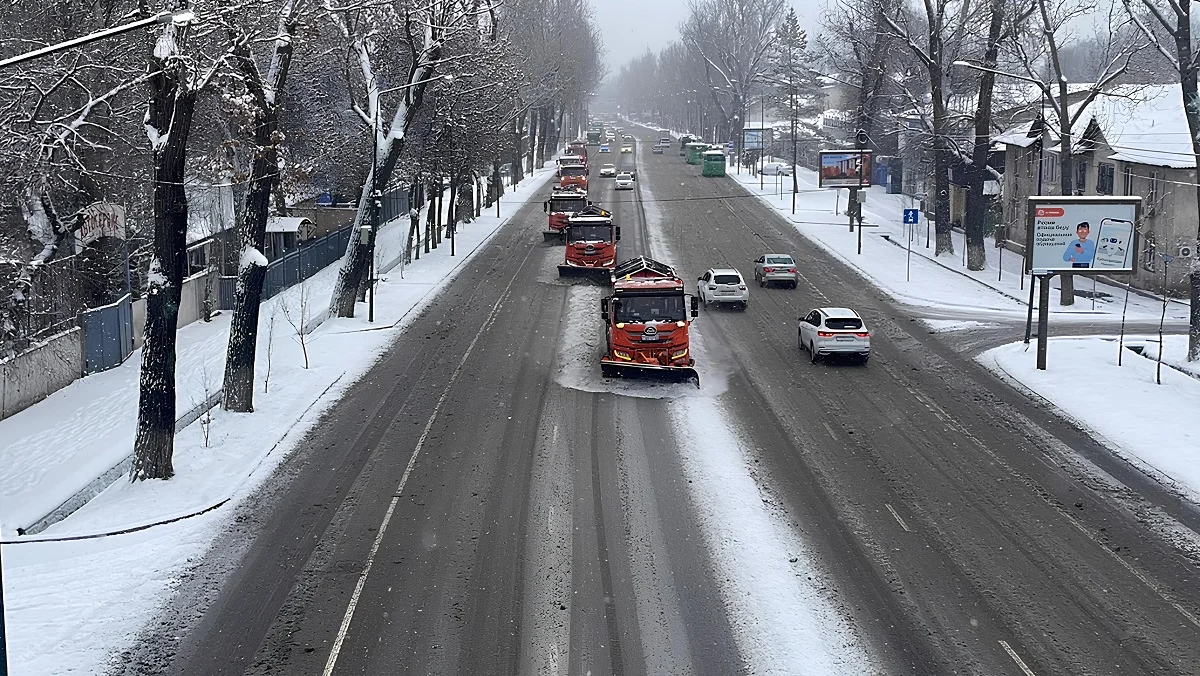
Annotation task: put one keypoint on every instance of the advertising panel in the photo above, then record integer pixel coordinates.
(754, 139)
(845, 169)
(1082, 235)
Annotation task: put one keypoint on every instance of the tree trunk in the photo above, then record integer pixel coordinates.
(171, 106)
(238, 386)
(976, 216)
(516, 172)
(431, 215)
(451, 210)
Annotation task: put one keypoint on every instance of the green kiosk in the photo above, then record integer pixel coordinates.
(694, 152)
(714, 163)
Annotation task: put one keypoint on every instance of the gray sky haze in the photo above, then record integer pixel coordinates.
(630, 27)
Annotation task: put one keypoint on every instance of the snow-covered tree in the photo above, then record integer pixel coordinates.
(796, 90)
(371, 33)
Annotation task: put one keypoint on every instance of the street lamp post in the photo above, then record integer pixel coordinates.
(177, 17)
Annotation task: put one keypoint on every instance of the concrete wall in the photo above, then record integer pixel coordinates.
(40, 371)
(191, 304)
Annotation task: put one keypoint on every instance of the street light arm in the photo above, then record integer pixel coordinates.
(176, 17)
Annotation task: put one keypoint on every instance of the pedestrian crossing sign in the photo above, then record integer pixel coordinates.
(912, 216)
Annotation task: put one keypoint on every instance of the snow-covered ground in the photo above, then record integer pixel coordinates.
(1150, 424)
(72, 605)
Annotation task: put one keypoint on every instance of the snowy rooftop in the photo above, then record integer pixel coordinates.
(1144, 124)
(287, 223)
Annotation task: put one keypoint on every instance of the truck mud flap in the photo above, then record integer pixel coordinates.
(673, 374)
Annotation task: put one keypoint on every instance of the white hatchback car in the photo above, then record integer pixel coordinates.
(624, 181)
(777, 168)
(723, 286)
(608, 171)
(830, 331)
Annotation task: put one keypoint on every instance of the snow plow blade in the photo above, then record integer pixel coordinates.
(548, 235)
(600, 275)
(674, 374)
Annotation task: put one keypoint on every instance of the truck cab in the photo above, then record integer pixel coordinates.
(591, 243)
(561, 205)
(647, 319)
(573, 175)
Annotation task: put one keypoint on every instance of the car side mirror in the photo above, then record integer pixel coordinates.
(695, 308)
(546, 206)
(699, 279)
(618, 233)
(604, 309)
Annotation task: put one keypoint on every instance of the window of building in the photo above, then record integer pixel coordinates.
(1152, 191)
(1127, 179)
(1104, 178)
(1050, 169)
(1081, 176)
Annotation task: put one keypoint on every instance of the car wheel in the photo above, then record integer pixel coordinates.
(800, 341)
(812, 353)
(794, 284)
(864, 359)
(744, 304)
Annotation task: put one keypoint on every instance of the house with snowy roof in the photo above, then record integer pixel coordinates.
(1130, 140)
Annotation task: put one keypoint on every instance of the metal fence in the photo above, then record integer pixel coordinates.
(107, 335)
(294, 267)
(51, 304)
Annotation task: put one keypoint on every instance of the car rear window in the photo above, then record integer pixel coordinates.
(782, 260)
(843, 323)
(727, 279)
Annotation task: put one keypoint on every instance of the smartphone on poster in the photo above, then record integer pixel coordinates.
(1114, 244)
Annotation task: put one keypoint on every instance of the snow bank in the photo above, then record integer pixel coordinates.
(1151, 425)
(782, 613)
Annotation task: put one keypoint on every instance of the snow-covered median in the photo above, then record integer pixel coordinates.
(1151, 425)
(72, 606)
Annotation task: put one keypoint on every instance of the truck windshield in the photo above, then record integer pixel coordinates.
(571, 205)
(639, 309)
(589, 233)
(574, 171)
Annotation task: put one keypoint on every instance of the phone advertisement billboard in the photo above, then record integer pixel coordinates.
(1082, 235)
(845, 169)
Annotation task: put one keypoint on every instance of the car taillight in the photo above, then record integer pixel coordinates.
(742, 287)
(768, 270)
(863, 334)
(792, 270)
(826, 334)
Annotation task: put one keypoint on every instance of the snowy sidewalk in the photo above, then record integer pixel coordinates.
(1148, 424)
(925, 280)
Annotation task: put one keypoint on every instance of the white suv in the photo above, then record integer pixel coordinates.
(723, 285)
(828, 331)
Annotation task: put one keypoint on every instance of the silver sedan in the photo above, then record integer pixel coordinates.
(776, 269)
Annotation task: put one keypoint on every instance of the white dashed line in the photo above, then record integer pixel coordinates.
(1017, 658)
(898, 519)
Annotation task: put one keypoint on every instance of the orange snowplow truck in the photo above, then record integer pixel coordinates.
(591, 249)
(646, 321)
(579, 149)
(560, 206)
(573, 176)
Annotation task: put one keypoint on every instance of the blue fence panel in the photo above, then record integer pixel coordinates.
(107, 335)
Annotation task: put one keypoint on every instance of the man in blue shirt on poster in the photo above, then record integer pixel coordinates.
(1080, 252)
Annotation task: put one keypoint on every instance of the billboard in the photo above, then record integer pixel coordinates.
(755, 139)
(1082, 235)
(845, 169)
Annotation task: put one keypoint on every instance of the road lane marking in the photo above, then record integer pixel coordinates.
(898, 519)
(955, 426)
(412, 461)
(1017, 658)
(830, 430)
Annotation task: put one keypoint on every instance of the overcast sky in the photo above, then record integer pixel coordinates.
(630, 26)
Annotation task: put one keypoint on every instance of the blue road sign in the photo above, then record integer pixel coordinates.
(912, 216)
